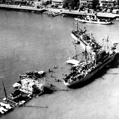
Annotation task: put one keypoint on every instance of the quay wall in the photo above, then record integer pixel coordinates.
(99, 14)
(25, 8)
(62, 11)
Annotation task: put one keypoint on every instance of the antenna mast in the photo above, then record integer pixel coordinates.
(85, 54)
(75, 54)
(4, 87)
(107, 42)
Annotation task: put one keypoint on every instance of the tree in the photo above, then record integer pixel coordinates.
(70, 4)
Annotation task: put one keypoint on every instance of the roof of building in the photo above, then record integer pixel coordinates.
(57, 0)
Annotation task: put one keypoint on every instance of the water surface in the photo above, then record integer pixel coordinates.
(31, 41)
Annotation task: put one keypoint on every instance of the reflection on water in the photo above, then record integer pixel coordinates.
(35, 41)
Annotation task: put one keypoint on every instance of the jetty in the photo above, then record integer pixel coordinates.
(22, 8)
(107, 15)
(64, 12)
(99, 14)
(71, 12)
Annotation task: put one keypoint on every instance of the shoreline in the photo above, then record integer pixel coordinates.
(55, 10)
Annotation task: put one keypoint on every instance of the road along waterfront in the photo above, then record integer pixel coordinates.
(35, 41)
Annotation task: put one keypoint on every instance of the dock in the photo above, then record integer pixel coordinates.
(107, 15)
(64, 12)
(72, 12)
(22, 8)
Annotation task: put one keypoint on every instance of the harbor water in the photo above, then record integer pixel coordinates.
(31, 42)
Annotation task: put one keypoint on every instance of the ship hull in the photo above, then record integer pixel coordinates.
(95, 71)
(93, 22)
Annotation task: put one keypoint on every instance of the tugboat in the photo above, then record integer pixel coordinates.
(95, 60)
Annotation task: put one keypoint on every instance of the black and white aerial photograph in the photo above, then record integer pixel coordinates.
(59, 59)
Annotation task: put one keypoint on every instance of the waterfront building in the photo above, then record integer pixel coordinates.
(89, 3)
(108, 3)
(57, 2)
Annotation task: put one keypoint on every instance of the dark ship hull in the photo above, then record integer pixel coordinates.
(88, 76)
(100, 58)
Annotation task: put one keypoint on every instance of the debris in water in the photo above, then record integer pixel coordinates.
(55, 67)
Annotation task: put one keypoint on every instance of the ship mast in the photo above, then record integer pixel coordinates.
(103, 43)
(77, 26)
(75, 54)
(107, 43)
(4, 88)
(85, 53)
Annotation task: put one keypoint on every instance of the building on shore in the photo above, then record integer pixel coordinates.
(108, 3)
(57, 2)
(89, 3)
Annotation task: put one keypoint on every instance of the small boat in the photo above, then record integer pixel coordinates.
(19, 97)
(52, 13)
(72, 61)
(32, 74)
(93, 19)
(94, 61)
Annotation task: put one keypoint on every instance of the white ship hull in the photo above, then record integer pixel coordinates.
(93, 22)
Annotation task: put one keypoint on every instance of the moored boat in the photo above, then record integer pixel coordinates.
(93, 19)
(5, 107)
(95, 60)
(80, 74)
